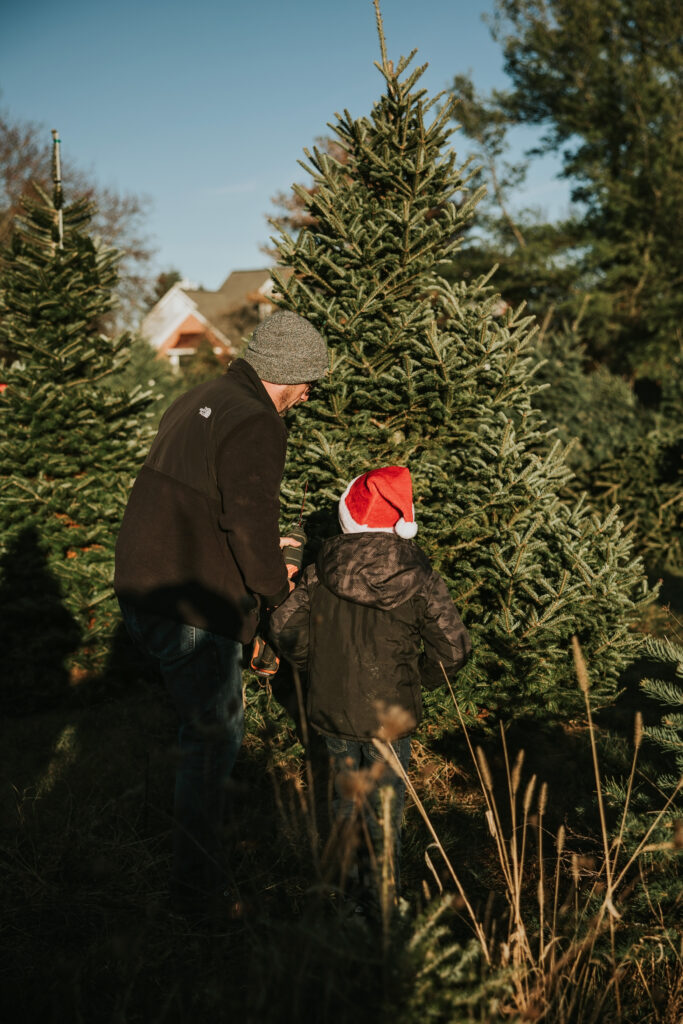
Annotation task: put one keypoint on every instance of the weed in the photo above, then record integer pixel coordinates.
(510, 914)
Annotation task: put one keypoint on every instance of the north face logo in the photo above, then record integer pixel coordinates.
(205, 412)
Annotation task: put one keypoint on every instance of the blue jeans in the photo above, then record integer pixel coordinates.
(360, 773)
(202, 673)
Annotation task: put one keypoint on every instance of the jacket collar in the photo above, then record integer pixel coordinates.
(248, 377)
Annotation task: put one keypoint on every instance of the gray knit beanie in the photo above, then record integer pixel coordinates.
(286, 349)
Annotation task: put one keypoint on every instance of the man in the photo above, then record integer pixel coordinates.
(198, 558)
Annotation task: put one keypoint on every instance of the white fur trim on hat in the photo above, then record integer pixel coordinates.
(406, 530)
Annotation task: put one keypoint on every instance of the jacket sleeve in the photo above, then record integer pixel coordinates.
(249, 467)
(446, 641)
(289, 626)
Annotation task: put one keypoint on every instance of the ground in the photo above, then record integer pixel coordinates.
(86, 789)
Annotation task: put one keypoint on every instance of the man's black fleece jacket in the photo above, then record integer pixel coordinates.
(200, 535)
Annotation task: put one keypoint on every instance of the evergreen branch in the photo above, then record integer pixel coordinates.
(385, 68)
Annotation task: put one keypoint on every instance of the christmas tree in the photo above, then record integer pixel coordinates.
(625, 452)
(602, 83)
(428, 374)
(69, 446)
(645, 476)
(668, 735)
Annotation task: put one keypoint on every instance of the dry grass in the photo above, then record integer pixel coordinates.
(509, 913)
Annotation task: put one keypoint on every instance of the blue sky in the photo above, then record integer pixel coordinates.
(206, 107)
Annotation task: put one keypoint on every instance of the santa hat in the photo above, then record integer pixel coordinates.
(380, 501)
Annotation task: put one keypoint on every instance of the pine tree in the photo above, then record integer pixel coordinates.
(668, 735)
(204, 365)
(69, 447)
(144, 369)
(571, 394)
(602, 79)
(624, 452)
(424, 374)
(592, 74)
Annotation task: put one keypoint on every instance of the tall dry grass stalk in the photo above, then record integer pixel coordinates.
(559, 977)
(607, 906)
(311, 816)
(391, 758)
(559, 945)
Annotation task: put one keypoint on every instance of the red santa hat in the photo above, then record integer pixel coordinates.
(380, 501)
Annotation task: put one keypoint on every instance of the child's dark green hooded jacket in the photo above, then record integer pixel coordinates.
(370, 622)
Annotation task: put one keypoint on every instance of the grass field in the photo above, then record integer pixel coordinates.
(87, 934)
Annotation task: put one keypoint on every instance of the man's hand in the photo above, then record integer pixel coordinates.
(292, 570)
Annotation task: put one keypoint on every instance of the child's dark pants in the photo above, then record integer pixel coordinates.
(360, 775)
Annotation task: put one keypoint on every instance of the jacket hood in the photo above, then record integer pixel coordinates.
(376, 569)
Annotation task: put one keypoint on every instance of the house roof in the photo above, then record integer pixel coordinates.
(238, 284)
(218, 307)
(212, 306)
(242, 283)
(232, 311)
(240, 288)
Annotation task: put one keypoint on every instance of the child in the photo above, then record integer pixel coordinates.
(371, 622)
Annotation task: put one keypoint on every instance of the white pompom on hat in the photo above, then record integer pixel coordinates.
(379, 501)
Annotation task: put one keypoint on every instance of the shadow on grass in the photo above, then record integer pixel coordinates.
(86, 932)
(38, 632)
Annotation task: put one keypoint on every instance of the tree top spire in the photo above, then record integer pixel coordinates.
(57, 196)
(386, 67)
